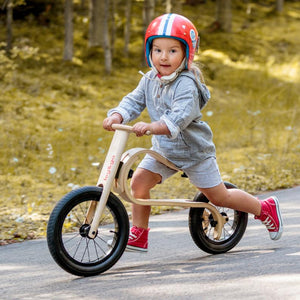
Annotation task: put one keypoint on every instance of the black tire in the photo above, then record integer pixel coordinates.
(201, 226)
(67, 237)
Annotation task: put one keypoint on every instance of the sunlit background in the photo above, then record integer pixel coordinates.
(51, 110)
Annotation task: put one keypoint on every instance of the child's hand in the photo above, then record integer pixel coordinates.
(158, 127)
(141, 128)
(113, 119)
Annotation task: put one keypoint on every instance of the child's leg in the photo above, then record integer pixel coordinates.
(232, 198)
(141, 184)
(267, 211)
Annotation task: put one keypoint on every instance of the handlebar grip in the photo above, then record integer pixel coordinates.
(126, 128)
(122, 127)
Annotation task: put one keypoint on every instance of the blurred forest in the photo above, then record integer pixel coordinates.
(63, 64)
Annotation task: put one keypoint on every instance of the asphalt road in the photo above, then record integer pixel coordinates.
(173, 268)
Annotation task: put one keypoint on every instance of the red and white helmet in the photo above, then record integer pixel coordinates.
(173, 26)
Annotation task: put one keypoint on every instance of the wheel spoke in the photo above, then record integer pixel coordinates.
(202, 226)
(68, 240)
(99, 246)
(228, 228)
(76, 247)
(81, 248)
(67, 233)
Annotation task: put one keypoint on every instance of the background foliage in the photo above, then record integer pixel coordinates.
(51, 111)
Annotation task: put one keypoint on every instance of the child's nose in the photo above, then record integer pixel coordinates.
(164, 55)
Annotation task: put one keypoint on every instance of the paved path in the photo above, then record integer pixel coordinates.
(174, 268)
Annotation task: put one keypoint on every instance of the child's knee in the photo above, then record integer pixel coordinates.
(143, 181)
(217, 201)
(217, 196)
(137, 184)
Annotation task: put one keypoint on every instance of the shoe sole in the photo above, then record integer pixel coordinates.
(135, 249)
(129, 248)
(280, 229)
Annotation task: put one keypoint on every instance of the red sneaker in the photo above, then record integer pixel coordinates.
(271, 217)
(138, 239)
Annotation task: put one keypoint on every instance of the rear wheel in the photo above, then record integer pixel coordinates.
(67, 233)
(202, 224)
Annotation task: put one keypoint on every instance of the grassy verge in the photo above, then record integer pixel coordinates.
(51, 112)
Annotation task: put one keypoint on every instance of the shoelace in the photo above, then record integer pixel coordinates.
(269, 223)
(132, 236)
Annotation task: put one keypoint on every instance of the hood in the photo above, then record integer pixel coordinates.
(204, 94)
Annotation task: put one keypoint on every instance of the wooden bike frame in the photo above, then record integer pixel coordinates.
(118, 162)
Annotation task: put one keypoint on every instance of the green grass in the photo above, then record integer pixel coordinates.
(51, 111)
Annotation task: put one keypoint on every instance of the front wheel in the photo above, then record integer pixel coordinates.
(201, 224)
(67, 233)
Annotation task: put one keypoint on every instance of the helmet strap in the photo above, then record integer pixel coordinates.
(168, 78)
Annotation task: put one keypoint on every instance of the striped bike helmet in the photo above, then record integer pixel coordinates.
(173, 26)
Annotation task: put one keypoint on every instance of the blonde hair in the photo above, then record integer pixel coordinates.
(197, 72)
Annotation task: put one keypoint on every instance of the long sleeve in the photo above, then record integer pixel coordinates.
(183, 109)
(132, 104)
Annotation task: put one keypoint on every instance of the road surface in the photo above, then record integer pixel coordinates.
(173, 268)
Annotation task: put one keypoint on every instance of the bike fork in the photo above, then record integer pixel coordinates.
(107, 177)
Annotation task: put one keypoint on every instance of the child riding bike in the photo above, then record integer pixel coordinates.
(174, 93)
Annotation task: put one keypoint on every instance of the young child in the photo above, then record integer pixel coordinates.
(174, 93)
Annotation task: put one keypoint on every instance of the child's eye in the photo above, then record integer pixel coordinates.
(157, 50)
(173, 51)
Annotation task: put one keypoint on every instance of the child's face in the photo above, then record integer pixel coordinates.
(167, 55)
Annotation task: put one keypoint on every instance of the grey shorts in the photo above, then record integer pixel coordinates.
(204, 175)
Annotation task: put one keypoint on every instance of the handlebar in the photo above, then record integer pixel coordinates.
(122, 127)
(126, 128)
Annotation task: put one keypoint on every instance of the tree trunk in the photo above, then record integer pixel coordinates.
(173, 6)
(148, 15)
(148, 12)
(9, 22)
(106, 39)
(95, 29)
(168, 6)
(223, 15)
(177, 6)
(113, 30)
(127, 27)
(279, 6)
(68, 48)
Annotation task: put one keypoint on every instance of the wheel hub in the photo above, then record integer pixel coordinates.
(84, 231)
(224, 215)
(214, 223)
